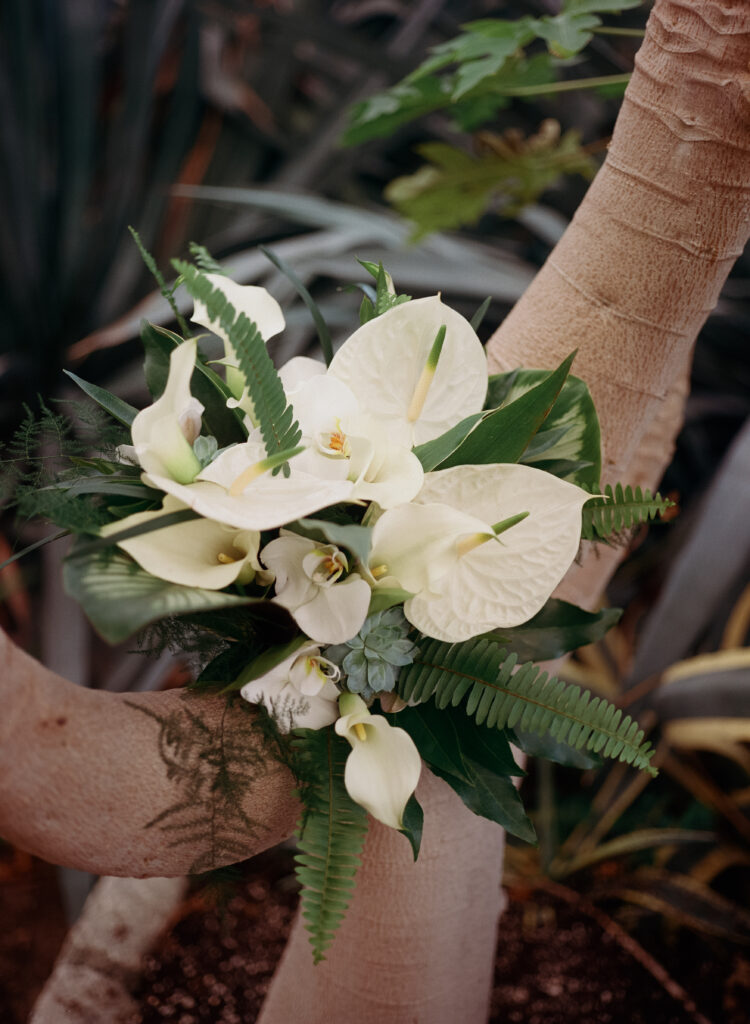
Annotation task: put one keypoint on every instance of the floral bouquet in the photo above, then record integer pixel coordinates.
(371, 542)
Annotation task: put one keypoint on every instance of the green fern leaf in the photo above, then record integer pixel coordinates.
(621, 508)
(500, 693)
(331, 834)
(275, 416)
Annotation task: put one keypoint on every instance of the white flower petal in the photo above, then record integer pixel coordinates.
(382, 363)
(392, 473)
(337, 613)
(298, 370)
(256, 303)
(504, 582)
(283, 557)
(285, 701)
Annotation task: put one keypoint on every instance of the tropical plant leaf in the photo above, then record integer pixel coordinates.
(120, 598)
(157, 275)
(331, 834)
(503, 435)
(432, 453)
(324, 335)
(279, 429)
(412, 824)
(385, 297)
(494, 797)
(620, 509)
(122, 411)
(352, 536)
(499, 692)
(558, 628)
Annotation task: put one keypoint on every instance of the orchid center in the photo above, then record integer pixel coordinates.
(310, 672)
(334, 443)
(325, 565)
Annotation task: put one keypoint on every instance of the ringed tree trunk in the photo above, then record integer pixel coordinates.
(629, 285)
(86, 777)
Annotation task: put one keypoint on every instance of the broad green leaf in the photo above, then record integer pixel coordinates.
(488, 747)
(435, 736)
(120, 598)
(383, 113)
(570, 432)
(352, 536)
(494, 797)
(432, 453)
(558, 628)
(553, 750)
(567, 33)
(412, 824)
(503, 435)
(121, 411)
(207, 386)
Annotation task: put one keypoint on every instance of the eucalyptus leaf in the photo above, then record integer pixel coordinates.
(120, 598)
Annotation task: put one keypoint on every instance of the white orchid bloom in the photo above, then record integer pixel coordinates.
(258, 305)
(400, 376)
(300, 692)
(344, 443)
(383, 767)
(240, 489)
(482, 547)
(309, 584)
(164, 432)
(199, 553)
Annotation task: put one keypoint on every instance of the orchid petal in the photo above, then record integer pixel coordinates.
(382, 363)
(298, 693)
(298, 370)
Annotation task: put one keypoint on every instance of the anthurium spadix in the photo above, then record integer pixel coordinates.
(240, 489)
(257, 304)
(300, 692)
(419, 366)
(164, 432)
(473, 560)
(382, 770)
(328, 603)
(198, 553)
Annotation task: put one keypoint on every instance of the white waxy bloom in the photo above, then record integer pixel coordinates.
(163, 433)
(393, 368)
(198, 553)
(300, 692)
(383, 767)
(261, 308)
(240, 489)
(309, 584)
(466, 579)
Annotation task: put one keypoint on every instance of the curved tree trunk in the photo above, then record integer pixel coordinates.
(83, 773)
(629, 285)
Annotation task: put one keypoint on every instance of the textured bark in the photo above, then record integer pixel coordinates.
(101, 960)
(629, 285)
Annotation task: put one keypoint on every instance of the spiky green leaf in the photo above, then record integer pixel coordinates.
(499, 692)
(278, 427)
(331, 834)
(115, 406)
(620, 509)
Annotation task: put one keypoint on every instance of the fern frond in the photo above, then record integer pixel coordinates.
(501, 693)
(204, 260)
(331, 835)
(275, 416)
(620, 509)
(166, 291)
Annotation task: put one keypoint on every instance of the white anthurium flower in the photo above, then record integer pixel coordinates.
(300, 692)
(259, 306)
(240, 489)
(344, 443)
(199, 553)
(383, 767)
(482, 547)
(163, 433)
(328, 608)
(399, 374)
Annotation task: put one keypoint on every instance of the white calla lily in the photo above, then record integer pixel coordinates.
(382, 770)
(300, 692)
(391, 366)
(466, 580)
(198, 553)
(163, 433)
(240, 489)
(308, 583)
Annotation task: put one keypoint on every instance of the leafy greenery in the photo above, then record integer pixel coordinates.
(115, 406)
(164, 288)
(331, 834)
(278, 427)
(385, 296)
(455, 188)
(620, 509)
(557, 629)
(501, 693)
(324, 335)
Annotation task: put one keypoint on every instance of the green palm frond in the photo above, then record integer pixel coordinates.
(331, 834)
(275, 416)
(502, 693)
(620, 509)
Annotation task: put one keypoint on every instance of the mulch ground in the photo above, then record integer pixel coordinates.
(559, 961)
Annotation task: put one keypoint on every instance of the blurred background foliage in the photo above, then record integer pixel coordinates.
(223, 122)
